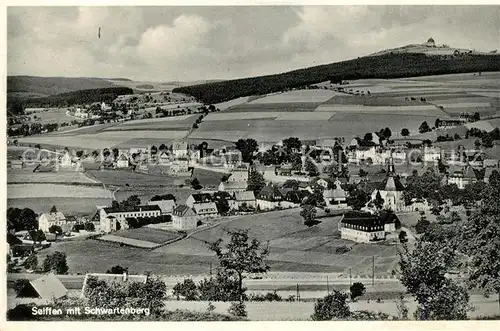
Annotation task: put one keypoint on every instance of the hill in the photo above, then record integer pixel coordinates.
(389, 65)
(26, 86)
(107, 94)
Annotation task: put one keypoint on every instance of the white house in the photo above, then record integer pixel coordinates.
(323, 183)
(66, 161)
(206, 209)
(184, 218)
(179, 149)
(232, 187)
(432, 154)
(46, 220)
(122, 161)
(335, 198)
(244, 198)
(239, 174)
(179, 165)
(164, 158)
(197, 198)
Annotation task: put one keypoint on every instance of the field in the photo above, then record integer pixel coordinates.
(28, 176)
(293, 248)
(41, 190)
(54, 115)
(67, 205)
(147, 234)
(307, 114)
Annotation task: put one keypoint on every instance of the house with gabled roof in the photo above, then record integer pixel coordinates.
(184, 218)
(115, 218)
(205, 210)
(242, 199)
(180, 149)
(54, 217)
(232, 187)
(335, 198)
(47, 287)
(196, 198)
(166, 206)
(269, 197)
(122, 161)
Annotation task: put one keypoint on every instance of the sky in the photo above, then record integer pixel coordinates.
(197, 43)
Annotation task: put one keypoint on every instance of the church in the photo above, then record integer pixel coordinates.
(391, 190)
(430, 43)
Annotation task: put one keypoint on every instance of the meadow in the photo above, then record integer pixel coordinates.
(28, 176)
(42, 190)
(67, 205)
(147, 234)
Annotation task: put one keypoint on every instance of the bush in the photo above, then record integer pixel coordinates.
(56, 263)
(342, 249)
(55, 229)
(237, 309)
(31, 262)
(89, 226)
(357, 289)
(333, 306)
(21, 312)
(186, 289)
(117, 269)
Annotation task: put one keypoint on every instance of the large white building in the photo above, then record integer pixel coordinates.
(361, 227)
(114, 219)
(180, 149)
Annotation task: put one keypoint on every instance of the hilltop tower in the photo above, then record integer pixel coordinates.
(430, 43)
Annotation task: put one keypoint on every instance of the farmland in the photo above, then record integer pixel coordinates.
(147, 234)
(28, 176)
(40, 190)
(307, 114)
(293, 247)
(67, 205)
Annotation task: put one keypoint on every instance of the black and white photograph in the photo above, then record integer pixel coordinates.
(283, 162)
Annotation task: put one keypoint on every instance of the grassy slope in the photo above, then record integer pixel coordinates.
(385, 66)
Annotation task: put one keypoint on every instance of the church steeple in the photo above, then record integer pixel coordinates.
(390, 167)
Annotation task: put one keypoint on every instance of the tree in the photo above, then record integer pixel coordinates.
(195, 184)
(28, 218)
(362, 173)
(368, 137)
(56, 263)
(494, 180)
(387, 133)
(292, 144)
(89, 226)
(221, 287)
(296, 160)
(422, 225)
(477, 143)
(241, 256)
(357, 198)
(131, 201)
(487, 141)
(53, 209)
(31, 263)
(186, 289)
(332, 306)
(255, 182)
(405, 132)
(357, 289)
(308, 213)
(311, 168)
(424, 127)
(378, 201)
(476, 117)
(55, 229)
(247, 147)
(423, 273)
(117, 269)
(479, 240)
(403, 237)
(291, 183)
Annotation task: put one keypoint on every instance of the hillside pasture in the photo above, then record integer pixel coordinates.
(346, 99)
(43, 190)
(420, 110)
(28, 176)
(278, 116)
(231, 103)
(147, 234)
(274, 107)
(52, 115)
(67, 205)
(300, 96)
